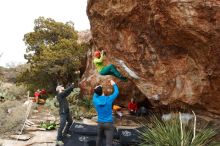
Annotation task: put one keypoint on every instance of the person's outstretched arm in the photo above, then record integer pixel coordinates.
(94, 98)
(116, 91)
(67, 91)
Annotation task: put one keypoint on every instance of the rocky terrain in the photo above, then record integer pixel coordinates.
(31, 134)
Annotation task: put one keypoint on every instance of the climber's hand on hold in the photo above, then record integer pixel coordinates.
(103, 52)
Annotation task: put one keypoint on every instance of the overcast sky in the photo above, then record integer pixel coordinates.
(17, 18)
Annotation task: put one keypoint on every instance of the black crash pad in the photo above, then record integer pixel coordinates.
(78, 140)
(89, 130)
(82, 140)
(128, 136)
(84, 129)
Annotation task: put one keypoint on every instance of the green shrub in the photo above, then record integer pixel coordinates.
(169, 133)
(52, 104)
(48, 125)
(11, 91)
(18, 92)
(74, 102)
(73, 98)
(79, 107)
(7, 96)
(87, 103)
(12, 117)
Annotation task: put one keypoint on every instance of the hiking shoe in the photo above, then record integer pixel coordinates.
(68, 135)
(59, 143)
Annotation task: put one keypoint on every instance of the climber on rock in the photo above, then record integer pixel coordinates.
(106, 70)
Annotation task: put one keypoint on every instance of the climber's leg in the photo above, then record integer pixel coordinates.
(111, 70)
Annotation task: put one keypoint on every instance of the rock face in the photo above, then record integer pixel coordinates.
(169, 49)
(92, 78)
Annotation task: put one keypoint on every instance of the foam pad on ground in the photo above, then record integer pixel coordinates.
(93, 143)
(83, 140)
(84, 129)
(79, 140)
(90, 130)
(128, 136)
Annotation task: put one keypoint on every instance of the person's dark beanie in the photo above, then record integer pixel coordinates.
(98, 90)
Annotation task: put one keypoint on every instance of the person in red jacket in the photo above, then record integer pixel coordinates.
(36, 95)
(132, 106)
(40, 96)
(43, 91)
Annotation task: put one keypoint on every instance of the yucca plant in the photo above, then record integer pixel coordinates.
(174, 133)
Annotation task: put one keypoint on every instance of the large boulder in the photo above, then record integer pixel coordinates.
(169, 49)
(91, 78)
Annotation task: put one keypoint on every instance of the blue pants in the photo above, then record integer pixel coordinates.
(64, 117)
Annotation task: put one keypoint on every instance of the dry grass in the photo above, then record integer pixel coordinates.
(18, 91)
(11, 91)
(11, 118)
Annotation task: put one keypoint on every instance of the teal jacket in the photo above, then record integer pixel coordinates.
(103, 105)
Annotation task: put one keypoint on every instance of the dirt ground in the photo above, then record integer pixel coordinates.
(36, 136)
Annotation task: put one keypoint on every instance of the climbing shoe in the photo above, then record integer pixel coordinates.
(59, 143)
(124, 79)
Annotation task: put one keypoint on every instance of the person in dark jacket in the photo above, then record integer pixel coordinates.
(103, 106)
(64, 112)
